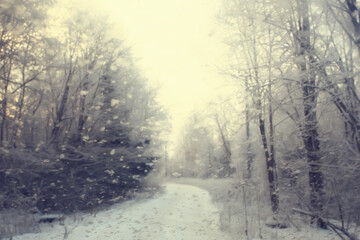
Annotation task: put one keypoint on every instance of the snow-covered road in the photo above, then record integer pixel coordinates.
(181, 212)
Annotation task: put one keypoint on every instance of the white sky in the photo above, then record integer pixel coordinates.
(177, 44)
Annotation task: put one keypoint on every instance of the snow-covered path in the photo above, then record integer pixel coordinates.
(182, 212)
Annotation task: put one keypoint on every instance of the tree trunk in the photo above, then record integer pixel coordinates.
(18, 114)
(270, 167)
(249, 154)
(61, 110)
(309, 130)
(4, 103)
(271, 113)
(18, 118)
(82, 115)
(4, 119)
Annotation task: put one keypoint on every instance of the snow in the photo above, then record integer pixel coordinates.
(232, 215)
(114, 102)
(181, 212)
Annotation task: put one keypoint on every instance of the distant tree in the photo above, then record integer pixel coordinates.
(253, 70)
(19, 41)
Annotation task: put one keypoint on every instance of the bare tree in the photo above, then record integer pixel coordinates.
(309, 130)
(251, 67)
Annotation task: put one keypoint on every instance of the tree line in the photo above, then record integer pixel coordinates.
(294, 113)
(78, 122)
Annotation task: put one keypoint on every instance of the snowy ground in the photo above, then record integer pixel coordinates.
(181, 212)
(232, 215)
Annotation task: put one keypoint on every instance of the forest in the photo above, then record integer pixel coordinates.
(288, 126)
(81, 127)
(78, 124)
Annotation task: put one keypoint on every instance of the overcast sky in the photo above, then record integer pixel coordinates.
(177, 44)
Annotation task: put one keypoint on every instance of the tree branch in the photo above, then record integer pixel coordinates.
(327, 222)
